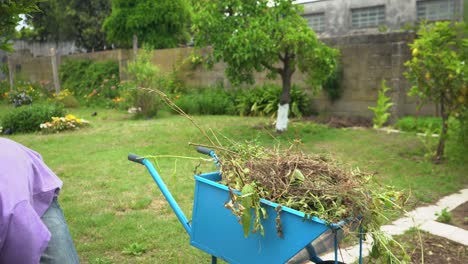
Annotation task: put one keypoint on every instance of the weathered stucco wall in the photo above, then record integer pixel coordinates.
(366, 61)
(40, 49)
(337, 14)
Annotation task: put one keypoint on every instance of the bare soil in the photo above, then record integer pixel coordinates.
(341, 121)
(460, 216)
(437, 250)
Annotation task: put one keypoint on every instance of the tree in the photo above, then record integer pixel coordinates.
(263, 35)
(9, 18)
(51, 22)
(161, 24)
(88, 17)
(64, 20)
(438, 71)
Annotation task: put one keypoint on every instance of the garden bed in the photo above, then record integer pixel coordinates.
(436, 249)
(460, 216)
(336, 121)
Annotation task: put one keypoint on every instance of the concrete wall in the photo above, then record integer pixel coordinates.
(39, 69)
(338, 14)
(42, 49)
(366, 60)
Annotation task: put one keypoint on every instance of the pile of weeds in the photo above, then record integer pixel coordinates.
(312, 184)
(316, 185)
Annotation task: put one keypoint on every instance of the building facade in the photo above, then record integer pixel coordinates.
(331, 18)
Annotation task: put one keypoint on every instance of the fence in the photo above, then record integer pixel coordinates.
(366, 61)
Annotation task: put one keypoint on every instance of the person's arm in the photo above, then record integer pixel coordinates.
(26, 236)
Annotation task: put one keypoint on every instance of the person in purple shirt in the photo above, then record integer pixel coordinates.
(32, 226)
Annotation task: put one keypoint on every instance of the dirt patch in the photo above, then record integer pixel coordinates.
(436, 250)
(341, 121)
(460, 216)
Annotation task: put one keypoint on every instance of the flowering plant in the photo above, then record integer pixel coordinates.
(19, 98)
(109, 89)
(69, 122)
(62, 95)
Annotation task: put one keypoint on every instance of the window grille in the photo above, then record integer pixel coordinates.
(368, 17)
(316, 21)
(433, 10)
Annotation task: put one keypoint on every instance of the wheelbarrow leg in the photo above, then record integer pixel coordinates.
(360, 245)
(336, 246)
(214, 260)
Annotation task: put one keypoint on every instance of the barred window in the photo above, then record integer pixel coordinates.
(436, 9)
(316, 21)
(367, 17)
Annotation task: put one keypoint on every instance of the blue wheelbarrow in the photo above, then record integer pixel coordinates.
(215, 230)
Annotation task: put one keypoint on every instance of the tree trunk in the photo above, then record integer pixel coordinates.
(135, 47)
(10, 73)
(441, 147)
(55, 77)
(283, 107)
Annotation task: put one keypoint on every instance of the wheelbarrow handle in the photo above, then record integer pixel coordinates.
(135, 158)
(210, 153)
(204, 150)
(165, 191)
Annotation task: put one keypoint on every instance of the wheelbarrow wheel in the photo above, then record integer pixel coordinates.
(330, 262)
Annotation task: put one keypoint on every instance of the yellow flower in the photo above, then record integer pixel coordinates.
(71, 117)
(117, 99)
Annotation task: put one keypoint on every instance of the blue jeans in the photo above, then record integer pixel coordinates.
(60, 249)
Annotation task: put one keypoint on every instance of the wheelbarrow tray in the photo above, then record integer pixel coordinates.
(218, 232)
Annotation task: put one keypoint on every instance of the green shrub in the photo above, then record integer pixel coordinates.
(459, 127)
(28, 118)
(143, 74)
(147, 103)
(263, 101)
(66, 98)
(72, 76)
(256, 101)
(444, 216)
(70, 101)
(93, 82)
(332, 86)
(384, 103)
(300, 102)
(4, 89)
(210, 101)
(419, 124)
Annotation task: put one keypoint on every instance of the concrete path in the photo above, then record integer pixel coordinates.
(422, 217)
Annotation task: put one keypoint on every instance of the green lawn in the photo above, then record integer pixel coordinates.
(111, 203)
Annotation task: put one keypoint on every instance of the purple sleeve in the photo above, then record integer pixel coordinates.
(27, 236)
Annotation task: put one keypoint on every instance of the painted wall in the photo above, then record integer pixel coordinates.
(338, 14)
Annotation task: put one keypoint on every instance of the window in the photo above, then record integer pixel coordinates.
(436, 9)
(316, 21)
(368, 17)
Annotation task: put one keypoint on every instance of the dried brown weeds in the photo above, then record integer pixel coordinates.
(315, 185)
